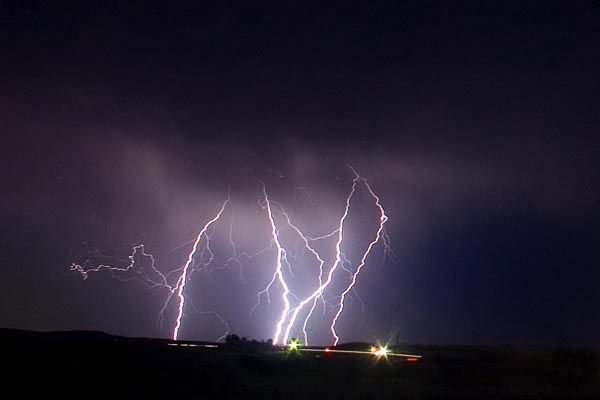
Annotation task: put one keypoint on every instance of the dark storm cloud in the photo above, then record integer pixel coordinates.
(144, 165)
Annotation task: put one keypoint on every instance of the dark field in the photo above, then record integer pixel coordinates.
(86, 364)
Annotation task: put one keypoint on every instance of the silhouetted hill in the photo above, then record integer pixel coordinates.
(6, 333)
(82, 363)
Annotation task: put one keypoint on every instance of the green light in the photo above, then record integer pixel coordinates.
(293, 344)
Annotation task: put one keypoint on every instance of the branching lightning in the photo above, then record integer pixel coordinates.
(382, 220)
(331, 267)
(322, 285)
(280, 256)
(184, 274)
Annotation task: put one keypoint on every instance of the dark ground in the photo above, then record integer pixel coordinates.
(95, 364)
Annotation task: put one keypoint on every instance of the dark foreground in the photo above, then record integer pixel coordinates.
(87, 364)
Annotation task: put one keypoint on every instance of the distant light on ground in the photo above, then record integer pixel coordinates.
(381, 351)
(293, 344)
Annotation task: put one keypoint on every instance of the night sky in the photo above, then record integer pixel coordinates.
(478, 125)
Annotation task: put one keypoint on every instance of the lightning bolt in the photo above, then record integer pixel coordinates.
(322, 285)
(382, 220)
(320, 260)
(184, 274)
(281, 255)
(140, 274)
(202, 257)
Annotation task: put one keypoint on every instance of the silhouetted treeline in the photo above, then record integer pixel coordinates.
(242, 344)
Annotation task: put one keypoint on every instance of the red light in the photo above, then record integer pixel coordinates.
(412, 359)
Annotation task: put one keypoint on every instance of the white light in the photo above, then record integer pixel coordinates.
(381, 352)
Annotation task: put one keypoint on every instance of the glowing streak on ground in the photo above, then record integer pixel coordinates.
(382, 219)
(338, 258)
(378, 353)
(184, 274)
